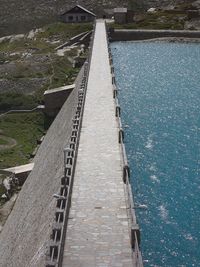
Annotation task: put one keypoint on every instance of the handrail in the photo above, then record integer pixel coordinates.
(57, 243)
(38, 108)
(133, 226)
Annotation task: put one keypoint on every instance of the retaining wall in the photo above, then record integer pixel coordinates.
(133, 35)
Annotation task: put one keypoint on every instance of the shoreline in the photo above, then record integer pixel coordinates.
(152, 35)
(167, 39)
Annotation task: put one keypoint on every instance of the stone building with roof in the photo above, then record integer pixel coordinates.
(78, 14)
(122, 15)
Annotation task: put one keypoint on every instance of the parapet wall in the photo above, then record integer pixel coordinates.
(133, 35)
(134, 230)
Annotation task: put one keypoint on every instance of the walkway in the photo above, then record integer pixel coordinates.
(97, 234)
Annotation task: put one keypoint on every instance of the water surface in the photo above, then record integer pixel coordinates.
(159, 95)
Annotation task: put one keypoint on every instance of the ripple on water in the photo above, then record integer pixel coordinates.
(149, 143)
(154, 178)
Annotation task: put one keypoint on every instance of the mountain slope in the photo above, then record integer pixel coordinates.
(23, 15)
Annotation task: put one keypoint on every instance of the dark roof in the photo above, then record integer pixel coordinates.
(79, 8)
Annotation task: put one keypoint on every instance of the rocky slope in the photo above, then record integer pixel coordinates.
(23, 15)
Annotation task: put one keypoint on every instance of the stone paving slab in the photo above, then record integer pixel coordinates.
(97, 234)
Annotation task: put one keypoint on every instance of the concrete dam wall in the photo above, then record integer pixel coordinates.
(25, 236)
(99, 215)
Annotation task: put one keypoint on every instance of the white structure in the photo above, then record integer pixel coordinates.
(151, 10)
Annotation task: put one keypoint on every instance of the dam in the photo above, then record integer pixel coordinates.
(76, 208)
(98, 231)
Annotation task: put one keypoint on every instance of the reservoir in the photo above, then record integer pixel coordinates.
(159, 95)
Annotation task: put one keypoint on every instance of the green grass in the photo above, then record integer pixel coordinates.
(59, 70)
(3, 142)
(26, 129)
(64, 73)
(27, 70)
(160, 20)
(52, 32)
(14, 100)
(63, 31)
(15, 46)
(23, 44)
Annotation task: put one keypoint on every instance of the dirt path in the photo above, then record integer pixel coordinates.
(10, 141)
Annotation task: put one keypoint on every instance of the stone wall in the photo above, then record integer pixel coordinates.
(133, 35)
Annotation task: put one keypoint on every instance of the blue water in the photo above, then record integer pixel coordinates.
(159, 93)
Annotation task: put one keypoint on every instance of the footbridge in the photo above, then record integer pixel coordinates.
(100, 226)
(76, 207)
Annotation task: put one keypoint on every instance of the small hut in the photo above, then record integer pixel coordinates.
(78, 14)
(122, 15)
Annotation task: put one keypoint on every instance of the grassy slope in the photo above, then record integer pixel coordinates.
(25, 129)
(57, 70)
(161, 19)
(14, 100)
(20, 16)
(3, 142)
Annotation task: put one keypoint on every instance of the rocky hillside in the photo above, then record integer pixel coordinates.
(23, 15)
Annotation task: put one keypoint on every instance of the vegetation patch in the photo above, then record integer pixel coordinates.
(63, 31)
(33, 57)
(36, 57)
(3, 142)
(12, 100)
(63, 72)
(159, 21)
(26, 129)
(49, 37)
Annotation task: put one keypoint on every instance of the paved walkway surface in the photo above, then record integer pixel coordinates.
(97, 234)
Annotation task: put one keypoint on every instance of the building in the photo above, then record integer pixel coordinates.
(78, 14)
(122, 15)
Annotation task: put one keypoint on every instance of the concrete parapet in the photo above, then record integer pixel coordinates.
(134, 230)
